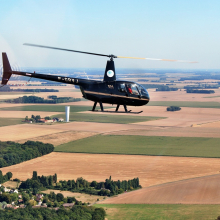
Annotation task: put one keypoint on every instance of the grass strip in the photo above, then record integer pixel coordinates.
(145, 145)
(108, 118)
(160, 211)
(10, 121)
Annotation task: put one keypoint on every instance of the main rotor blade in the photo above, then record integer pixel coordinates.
(57, 48)
(183, 61)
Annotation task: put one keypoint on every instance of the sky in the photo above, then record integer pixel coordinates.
(168, 29)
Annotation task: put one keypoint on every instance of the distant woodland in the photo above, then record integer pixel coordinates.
(201, 91)
(36, 99)
(7, 88)
(13, 153)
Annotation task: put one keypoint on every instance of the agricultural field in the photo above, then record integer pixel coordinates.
(116, 145)
(60, 137)
(144, 145)
(47, 108)
(191, 104)
(10, 121)
(151, 170)
(79, 196)
(108, 118)
(160, 212)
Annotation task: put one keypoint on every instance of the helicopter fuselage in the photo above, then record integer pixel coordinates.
(116, 92)
(112, 92)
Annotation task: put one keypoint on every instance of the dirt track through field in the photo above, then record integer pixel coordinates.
(151, 170)
(203, 190)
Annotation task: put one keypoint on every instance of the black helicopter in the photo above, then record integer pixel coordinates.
(107, 91)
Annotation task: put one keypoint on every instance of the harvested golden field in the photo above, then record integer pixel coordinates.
(60, 137)
(14, 96)
(23, 114)
(151, 170)
(79, 196)
(25, 131)
(183, 118)
(11, 184)
(202, 190)
(31, 131)
(183, 96)
(211, 125)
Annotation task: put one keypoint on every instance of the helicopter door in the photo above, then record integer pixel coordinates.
(132, 90)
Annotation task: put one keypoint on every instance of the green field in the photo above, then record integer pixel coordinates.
(185, 104)
(48, 108)
(10, 121)
(144, 145)
(211, 97)
(108, 118)
(160, 212)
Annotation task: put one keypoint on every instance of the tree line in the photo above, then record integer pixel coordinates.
(13, 153)
(36, 99)
(203, 91)
(76, 212)
(107, 188)
(166, 88)
(7, 88)
(6, 177)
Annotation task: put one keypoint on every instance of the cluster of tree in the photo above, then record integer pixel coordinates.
(201, 91)
(107, 188)
(202, 86)
(36, 99)
(36, 118)
(6, 177)
(63, 99)
(173, 108)
(57, 200)
(12, 153)
(37, 182)
(76, 212)
(166, 88)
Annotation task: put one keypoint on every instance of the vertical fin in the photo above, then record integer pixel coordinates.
(6, 69)
(110, 71)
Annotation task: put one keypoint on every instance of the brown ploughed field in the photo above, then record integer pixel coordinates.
(202, 190)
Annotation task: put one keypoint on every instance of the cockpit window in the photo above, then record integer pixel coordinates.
(142, 91)
(134, 89)
(121, 87)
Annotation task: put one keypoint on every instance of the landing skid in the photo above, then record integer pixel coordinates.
(128, 112)
(116, 110)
